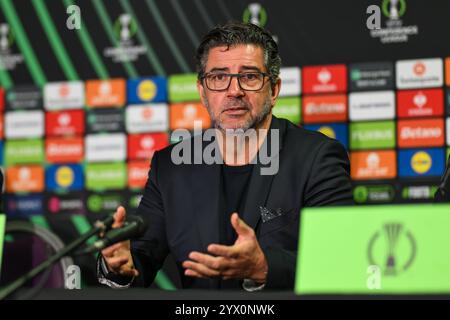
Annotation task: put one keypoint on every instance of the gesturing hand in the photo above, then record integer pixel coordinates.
(243, 260)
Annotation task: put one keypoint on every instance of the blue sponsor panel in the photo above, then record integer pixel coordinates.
(149, 89)
(17, 206)
(66, 177)
(427, 162)
(338, 131)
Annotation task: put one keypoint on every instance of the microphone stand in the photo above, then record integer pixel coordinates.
(99, 226)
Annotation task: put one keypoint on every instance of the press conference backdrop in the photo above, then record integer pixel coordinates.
(84, 109)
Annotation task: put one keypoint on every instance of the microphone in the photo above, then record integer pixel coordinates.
(133, 227)
(442, 192)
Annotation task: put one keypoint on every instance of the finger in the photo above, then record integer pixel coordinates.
(192, 273)
(109, 251)
(119, 217)
(215, 263)
(129, 272)
(242, 229)
(201, 269)
(224, 251)
(116, 262)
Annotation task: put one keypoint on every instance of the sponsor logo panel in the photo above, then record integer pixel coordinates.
(324, 79)
(420, 103)
(288, 108)
(64, 95)
(24, 124)
(105, 176)
(371, 76)
(145, 90)
(420, 133)
(64, 150)
(106, 147)
(183, 88)
(105, 93)
(25, 179)
(65, 177)
(143, 146)
(338, 131)
(291, 81)
(147, 118)
(378, 105)
(424, 73)
(329, 108)
(24, 152)
(183, 116)
(372, 135)
(367, 165)
(421, 162)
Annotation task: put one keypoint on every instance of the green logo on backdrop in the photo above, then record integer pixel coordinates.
(372, 194)
(106, 176)
(183, 87)
(394, 9)
(288, 108)
(256, 14)
(393, 249)
(372, 135)
(24, 152)
(97, 203)
(355, 75)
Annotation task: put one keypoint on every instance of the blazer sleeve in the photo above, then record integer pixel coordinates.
(329, 178)
(150, 251)
(328, 184)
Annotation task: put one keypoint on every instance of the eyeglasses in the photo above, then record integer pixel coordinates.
(248, 81)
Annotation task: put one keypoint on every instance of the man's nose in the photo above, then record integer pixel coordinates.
(235, 89)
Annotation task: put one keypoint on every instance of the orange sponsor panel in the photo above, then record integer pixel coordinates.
(64, 150)
(138, 174)
(183, 116)
(25, 179)
(105, 93)
(367, 165)
(325, 108)
(420, 133)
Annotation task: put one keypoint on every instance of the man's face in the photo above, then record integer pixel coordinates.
(236, 108)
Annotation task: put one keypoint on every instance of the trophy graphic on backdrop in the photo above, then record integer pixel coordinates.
(255, 9)
(125, 21)
(393, 10)
(4, 40)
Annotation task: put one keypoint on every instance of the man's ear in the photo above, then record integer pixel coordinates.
(201, 92)
(275, 91)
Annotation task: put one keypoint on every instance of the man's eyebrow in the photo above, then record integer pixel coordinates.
(250, 68)
(218, 69)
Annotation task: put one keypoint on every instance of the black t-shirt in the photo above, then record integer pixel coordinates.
(235, 184)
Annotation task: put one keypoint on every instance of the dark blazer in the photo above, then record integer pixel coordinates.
(183, 204)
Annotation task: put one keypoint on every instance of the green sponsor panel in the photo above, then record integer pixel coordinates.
(385, 249)
(448, 151)
(2, 235)
(372, 135)
(106, 176)
(419, 192)
(288, 108)
(24, 152)
(183, 87)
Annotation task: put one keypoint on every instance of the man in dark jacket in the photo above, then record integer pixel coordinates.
(231, 220)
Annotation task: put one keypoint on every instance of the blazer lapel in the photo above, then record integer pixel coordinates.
(260, 185)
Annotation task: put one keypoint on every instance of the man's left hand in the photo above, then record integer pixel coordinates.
(243, 260)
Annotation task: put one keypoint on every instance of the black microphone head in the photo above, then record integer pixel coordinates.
(141, 222)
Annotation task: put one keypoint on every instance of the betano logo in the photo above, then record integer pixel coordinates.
(420, 133)
(329, 108)
(64, 150)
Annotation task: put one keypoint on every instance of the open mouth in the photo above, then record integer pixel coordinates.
(235, 111)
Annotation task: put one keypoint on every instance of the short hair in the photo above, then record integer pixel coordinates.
(236, 33)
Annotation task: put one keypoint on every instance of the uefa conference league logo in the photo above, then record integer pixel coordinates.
(393, 249)
(394, 31)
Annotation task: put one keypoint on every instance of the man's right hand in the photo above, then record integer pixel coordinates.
(118, 256)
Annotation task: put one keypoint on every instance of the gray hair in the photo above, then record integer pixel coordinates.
(235, 33)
